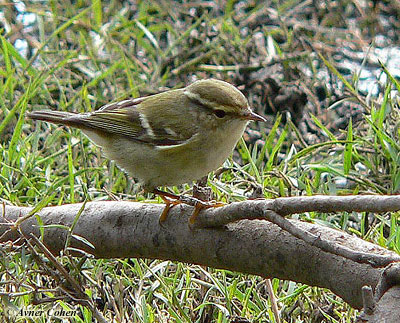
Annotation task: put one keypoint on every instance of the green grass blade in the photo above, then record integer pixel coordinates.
(97, 12)
(18, 128)
(59, 30)
(243, 145)
(71, 176)
(323, 128)
(393, 80)
(348, 149)
(340, 76)
(6, 56)
(12, 52)
(275, 150)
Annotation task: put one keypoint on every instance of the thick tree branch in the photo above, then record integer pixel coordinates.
(384, 307)
(129, 229)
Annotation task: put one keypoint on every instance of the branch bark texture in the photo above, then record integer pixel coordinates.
(130, 229)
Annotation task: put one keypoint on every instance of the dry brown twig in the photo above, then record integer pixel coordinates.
(83, 298)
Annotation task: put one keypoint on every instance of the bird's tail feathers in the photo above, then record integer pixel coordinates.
(58, 117)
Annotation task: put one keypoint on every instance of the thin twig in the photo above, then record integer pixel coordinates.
(334, 248)
(274, 303)
(275, 210)
(84, 298)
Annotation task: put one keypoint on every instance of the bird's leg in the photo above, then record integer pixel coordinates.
(169, 199)
(172, 199)
(203, 195)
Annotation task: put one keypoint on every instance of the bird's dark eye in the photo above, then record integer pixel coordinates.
(220, 113)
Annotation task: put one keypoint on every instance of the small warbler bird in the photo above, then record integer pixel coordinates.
(168, 138)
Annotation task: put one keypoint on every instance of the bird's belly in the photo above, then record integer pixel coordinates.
(167, 166)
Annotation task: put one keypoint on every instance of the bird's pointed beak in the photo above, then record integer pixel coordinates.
(250, 115)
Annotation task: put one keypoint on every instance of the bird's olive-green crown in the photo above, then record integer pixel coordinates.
(216, 94)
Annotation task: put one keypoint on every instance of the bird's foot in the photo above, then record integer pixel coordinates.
(200, 205)
(171, 200)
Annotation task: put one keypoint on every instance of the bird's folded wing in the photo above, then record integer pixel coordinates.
(125, 119)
